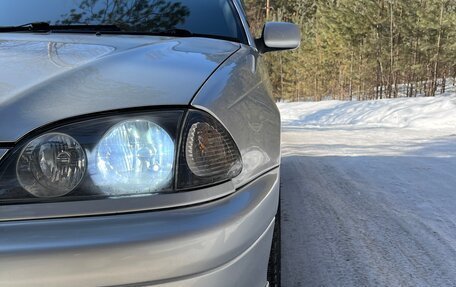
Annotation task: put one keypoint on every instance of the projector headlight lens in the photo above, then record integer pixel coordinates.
(135, 156)
(51, 165)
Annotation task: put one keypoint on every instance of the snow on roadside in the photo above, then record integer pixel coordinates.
(415, 113)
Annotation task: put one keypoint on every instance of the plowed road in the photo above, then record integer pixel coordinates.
(368, 207)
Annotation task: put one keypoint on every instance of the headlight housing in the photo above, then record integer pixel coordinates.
(112, 156)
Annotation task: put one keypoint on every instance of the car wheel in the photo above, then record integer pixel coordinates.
(274, 257)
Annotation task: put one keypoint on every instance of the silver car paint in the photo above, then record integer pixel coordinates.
(239, 96)
(46, 78)
(205, 245)
(246, 270)
(114, 206)
(155, 247)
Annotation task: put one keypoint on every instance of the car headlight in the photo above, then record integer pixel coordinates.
(133, 154)
(51, 165)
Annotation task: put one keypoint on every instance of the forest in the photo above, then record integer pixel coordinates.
(361, 49)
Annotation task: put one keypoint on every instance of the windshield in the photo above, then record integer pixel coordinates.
(214, 17)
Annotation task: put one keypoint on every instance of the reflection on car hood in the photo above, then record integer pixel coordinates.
(46, 78)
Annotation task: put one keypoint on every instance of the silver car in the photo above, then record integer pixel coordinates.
(139, 144)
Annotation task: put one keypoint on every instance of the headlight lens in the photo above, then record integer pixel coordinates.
(51, 165)
(136, 154)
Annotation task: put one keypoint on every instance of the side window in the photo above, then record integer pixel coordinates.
(254, 15)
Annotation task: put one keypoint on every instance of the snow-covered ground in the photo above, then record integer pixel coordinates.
(369, 193)
(418, 126)
(418, 113)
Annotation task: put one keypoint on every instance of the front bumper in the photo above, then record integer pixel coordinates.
(221, 243)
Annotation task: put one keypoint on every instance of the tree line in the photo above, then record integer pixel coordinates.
(361, 49)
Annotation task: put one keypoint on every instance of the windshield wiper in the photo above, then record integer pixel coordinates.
(175, 32)
(46, 27)
(38, 26)
(43, 27)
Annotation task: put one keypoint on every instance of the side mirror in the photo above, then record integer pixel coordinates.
(279, 36)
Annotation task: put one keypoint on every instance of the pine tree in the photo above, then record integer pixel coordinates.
(358, 50)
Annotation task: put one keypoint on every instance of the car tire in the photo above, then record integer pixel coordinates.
(274, 266)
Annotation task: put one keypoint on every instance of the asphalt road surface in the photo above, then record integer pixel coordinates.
(368, 207)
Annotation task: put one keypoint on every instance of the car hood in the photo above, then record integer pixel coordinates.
(46, 78)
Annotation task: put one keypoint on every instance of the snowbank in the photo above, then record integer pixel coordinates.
(415, 113)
